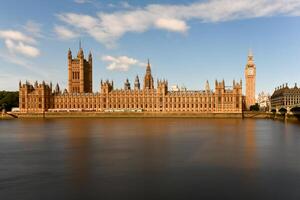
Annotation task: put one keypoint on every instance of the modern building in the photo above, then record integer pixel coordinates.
(37, 98)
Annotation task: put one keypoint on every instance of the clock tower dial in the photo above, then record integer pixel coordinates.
(250, 76)
(250, 71)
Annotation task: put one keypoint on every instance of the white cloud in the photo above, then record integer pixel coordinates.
(18, 42)
(106, 28)
(20, 47)
(121, 63)
(33, 28)
(172, 25)
(82, 1)
(16, 36)
(64, 33)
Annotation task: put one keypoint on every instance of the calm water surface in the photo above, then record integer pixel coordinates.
(149, 159)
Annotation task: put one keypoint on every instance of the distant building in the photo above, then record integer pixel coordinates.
(175, 88)
(263, 101)
(284, 96)
(183, 88)
(42, 97)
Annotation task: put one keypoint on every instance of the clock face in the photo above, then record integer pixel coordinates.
(250, 71)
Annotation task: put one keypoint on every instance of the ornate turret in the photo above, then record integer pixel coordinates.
(237, 85)
(219, 87)
(207, 88)
(69, 54)
(80, 52)
(148, 70)
(162, 86)
(50, 86)
(137, 83)
(106, 86)
(90, 56)
(127, 85)
(57, 89)
(148, 80)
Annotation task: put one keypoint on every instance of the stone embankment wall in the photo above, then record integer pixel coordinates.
(270, 115)
(258, 115)
(245, 115)
(6, 116)
(287, 117)
(128, 115)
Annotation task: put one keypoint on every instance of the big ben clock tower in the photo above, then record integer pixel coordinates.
(250, 76)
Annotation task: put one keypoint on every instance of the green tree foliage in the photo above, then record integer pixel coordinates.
(9, 100)
(254, 107)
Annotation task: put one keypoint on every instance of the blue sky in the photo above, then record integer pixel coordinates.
(187, 42)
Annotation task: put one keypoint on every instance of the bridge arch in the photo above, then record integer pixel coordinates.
(296, 109)
(273, 110)
(282, 110)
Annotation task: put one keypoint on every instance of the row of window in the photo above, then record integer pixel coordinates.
(76, 89)
(143, 106)
(292, 100)
(285, 101)
(152, 100)
(75, 75)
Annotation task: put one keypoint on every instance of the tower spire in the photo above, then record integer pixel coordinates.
(250, 62)
(207, 88)
(250, 54)
(148, 66)
(148, 80)
(80, 51)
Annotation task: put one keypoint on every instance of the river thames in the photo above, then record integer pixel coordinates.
(149, 159)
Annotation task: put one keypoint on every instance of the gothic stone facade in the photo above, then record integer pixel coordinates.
(250, 77)
(79, 96)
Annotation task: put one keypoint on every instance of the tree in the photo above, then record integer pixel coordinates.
(9, 100)
(254, 107)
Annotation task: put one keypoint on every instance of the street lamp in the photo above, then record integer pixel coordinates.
(3, 108)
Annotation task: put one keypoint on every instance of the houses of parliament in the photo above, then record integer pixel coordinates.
(142, 96)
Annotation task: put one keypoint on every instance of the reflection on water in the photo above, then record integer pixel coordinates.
(149, 159)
